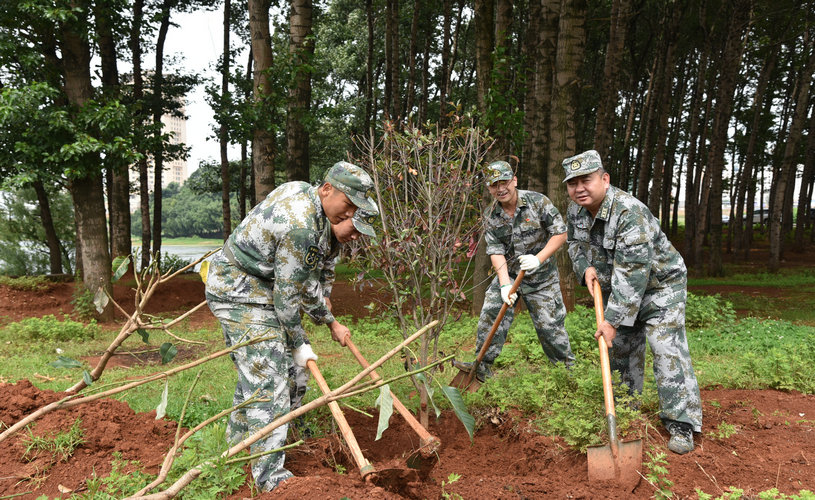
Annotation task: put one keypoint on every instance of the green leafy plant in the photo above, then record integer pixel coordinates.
(28, 283)
(707, 310)
(657, 475)
(126, 477)
(452, 478)
(83, 302)
(724, 430)
(60, 445)
(49, 328)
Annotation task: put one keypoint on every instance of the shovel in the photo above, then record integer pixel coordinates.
(390, 479)
(467, 380)
(426, 455)
(617, 461)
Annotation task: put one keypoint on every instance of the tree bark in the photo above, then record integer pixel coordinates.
(445, 61)
(369, 68)
(606, 105)
(86, 189)
(138, 126)
(569, 57)
(410, 91)
(51, 238)
(532, 162)
(301, 49)
(263, 141)
(223, 133)
(804, 217)
(730, 63)
(158, 112)
(788, 164)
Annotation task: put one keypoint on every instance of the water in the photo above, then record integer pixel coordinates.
(187, 252)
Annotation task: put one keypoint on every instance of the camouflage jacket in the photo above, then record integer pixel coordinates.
(638, 268)
(535, 221)
(279, 255)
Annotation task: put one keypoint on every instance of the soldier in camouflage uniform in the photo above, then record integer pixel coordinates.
(615, 240)
(271, 267)
(522, 230)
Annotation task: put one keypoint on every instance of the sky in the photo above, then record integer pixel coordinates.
(198, 38)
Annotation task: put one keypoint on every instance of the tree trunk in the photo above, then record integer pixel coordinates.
(532, 163)
(694, 145)
(263, 142)
(369, 68)
(788, 163)
(502, 76)
(804, 217)
(86, 188)
(51, 238)
(569, 57)
(391, 98)
(301, 49)
(484, 40)
(445, 61)
(410, 91)
(138, 126)
(729, 67)
(606, 105)
(158, 112)
(646, 135)
(739, 223)
(119, 182)
(223, 133)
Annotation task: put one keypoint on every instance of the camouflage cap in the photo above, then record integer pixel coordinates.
(498, 171)
(582, 164)
(355, 183)
(363, 221)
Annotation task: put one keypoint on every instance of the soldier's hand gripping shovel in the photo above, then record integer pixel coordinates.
(467, 380)
(425, 457)
(388, 478)
(617, 461)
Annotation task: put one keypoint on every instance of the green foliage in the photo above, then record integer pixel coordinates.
(60, 445)
(217, 480)
(126, 478)
(657, 472)
(734, 493)
(171, 263)
(724, 430)
(704, 311)
(23, 244)
(50, 329)
(83, 302)
(27, 283)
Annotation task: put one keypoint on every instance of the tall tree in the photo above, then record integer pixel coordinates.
(263, 141)
(223, 132)
(788, 164)
(571, 40)
(301, 51)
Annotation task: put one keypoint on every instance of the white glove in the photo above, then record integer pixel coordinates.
(302, 354)
(529, 263)
(506, 297)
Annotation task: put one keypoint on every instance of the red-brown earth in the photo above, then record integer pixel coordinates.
(773, 445)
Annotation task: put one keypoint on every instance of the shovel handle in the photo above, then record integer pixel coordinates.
(414, 424)
(605, 368)
(365, 467)
(488, 340)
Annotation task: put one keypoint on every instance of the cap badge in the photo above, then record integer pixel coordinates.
(575, 165)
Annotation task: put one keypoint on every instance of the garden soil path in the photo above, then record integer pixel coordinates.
(773, 445)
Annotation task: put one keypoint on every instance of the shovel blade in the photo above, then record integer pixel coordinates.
(623, 469)
(460, 382)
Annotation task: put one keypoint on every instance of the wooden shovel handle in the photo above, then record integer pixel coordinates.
(365, 467)
(414, 424)
(494, 328)
(605, 365)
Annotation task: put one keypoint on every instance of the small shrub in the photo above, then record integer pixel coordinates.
(49, 328)
(704, 311)
(126, 478)
(171, 263)
(83, 302)
(26, 283)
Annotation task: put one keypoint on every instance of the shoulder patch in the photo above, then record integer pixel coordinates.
(312, 257)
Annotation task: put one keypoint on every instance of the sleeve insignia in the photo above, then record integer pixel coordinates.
(312, 257)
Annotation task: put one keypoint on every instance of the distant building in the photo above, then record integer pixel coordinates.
(174, 171)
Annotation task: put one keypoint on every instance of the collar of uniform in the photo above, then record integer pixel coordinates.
(605, 208)
(318, 208)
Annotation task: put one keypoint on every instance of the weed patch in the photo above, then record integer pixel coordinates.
(50, 329)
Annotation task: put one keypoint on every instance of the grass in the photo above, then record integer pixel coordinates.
(749, 352)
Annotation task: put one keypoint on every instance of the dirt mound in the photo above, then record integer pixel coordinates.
(753, 440)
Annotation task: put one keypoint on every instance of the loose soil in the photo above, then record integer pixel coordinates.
(773, 445)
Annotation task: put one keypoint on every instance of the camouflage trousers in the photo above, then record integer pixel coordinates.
(548, 315)
(265, 367)
(676, 382)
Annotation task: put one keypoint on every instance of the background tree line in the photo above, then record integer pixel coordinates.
(700, 100)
